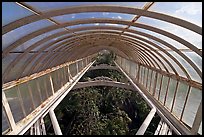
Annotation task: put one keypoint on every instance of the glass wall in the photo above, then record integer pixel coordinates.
(178, 96)
(24, 98)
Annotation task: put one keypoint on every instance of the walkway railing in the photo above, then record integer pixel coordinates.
(25, 100)
(179, 99)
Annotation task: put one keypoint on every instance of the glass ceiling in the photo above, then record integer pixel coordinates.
(32, 27)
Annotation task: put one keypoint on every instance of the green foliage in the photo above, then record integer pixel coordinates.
(102, 110)
(105, 58)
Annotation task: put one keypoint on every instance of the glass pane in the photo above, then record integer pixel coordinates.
(170, 94)
(187, 66)
(181, 32)
(11, 8)
(84, 63)
(14, 35)
(193, 102)
(52, 6)
(159, 78)
(195, 58)
(56, 84)
(41, 83)
(136, 70)
(88, 15)
(140, 74)
(35, 92)
(14, 103)
(180, 98)
(80, 65)
(145, 76)
(48, 85)
(153, 80)
(190, 11)
(163, 89)
(7, 60)
(149, 79)
(132, 69)
(29, 63)
(127, 66)
(123, 63)
(17, 69)
(66, 73)
(175, 65)
(72, 69)
(26, 98)
(61, 73)
(34, 40)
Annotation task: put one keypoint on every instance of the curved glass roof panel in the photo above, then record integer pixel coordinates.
(93, 15)
(49, 33)
(46, 6)
(181, 32)
(190, 11)
(32, 41)
(14, 35)
(187, 66)
(11, 8)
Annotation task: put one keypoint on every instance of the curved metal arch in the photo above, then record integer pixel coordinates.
(61, 49)
(160, 55)
(187, 61)
(76, 51)
(33, 57)
(59, 63)
(48, 61)
(104, 8)
(152, 55)
(64, 49)
(113, 21)
(118, 29)
(154, 52)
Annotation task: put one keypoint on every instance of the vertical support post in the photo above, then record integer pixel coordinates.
(37, 127)
(55, 123)
(82, 63)
(77, 66)
(144, 76)
(155, 84)
(186, 99)
(38, 89)
(31, 95)
(130, 68)
(66, 76)
(21, 101)
(174, 96)
(150, 80)
(197, 120)
(45, 85)
(147, 78)
(158, 127)
(31, 130)
(167, 89)
(160, 86)
(8, 112)
(86, 61)
(68, 73)
(51, 84)
(138, 72)
(42, 123)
